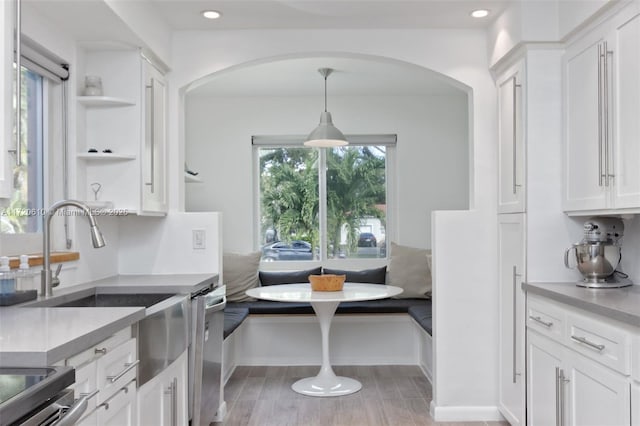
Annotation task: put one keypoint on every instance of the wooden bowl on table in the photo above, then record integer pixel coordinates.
(328, 282)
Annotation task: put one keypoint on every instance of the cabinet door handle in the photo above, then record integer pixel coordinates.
(606, 53)
(152, 133)
(102, 351)
(540, 321)
(588, 343)
(128, 367)
(515, 331)
(173, 391)
(18, 60)
(600, 118)
(515, 133)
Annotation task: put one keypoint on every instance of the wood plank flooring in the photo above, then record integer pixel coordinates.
(390, 396)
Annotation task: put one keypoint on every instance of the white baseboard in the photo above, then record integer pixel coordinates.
(465, 414)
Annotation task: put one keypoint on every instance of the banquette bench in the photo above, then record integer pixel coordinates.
(387, 331)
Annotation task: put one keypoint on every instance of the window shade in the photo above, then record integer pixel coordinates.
(40, 60)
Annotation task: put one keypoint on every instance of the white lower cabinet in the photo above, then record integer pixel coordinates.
(544, 361)
(106, 373)
(579, 374)
(593, 394)
(163, 399)
(566, 388)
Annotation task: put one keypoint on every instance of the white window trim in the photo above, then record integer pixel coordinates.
(274, 141)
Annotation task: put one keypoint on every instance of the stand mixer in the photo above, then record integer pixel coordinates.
(599, 253)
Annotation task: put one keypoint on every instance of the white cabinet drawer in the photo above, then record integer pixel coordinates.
(120, 408)
(115, 369)
(86, 385)
(546, 319)
(600, 341)
(100, 349)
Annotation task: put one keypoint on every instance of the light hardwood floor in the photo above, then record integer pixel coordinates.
(390, 396)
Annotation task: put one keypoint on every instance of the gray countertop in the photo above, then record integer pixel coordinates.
(621, 304)
(42, 336)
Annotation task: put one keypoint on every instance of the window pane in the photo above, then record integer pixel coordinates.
(27, 197)
(289, 223)
(356, 201)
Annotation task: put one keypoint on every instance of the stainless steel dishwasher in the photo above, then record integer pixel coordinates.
(206, 397)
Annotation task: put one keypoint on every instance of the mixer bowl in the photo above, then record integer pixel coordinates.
(595, 261)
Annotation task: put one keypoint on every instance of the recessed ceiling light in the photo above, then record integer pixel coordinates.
(480, 13)
(211, 14)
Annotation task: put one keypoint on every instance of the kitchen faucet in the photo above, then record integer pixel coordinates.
(46, 286)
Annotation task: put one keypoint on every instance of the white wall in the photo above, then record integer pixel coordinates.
(431, 156)
(458, 54)
(164, 245)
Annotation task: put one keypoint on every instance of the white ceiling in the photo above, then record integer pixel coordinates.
(355, 14)
(93, 21)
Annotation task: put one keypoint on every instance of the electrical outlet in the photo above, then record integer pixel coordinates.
(199, 239)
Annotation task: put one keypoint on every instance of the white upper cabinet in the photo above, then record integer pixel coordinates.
(511, 152)
(122, 154)
(7, 18)
(602, 103)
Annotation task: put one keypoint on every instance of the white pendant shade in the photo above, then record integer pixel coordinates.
(326, 135)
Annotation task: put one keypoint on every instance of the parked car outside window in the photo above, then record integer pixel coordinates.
(281, 250)
(367, 239)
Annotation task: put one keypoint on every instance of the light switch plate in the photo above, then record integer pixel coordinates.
(199, 239)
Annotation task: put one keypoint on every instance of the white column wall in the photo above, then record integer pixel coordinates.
(460, 55)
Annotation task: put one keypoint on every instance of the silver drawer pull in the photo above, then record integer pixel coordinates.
(128, 367)
(540, 321)
(102, 351)
(584, 341)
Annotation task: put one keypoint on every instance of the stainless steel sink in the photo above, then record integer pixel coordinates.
(101, 300)
(162, 335)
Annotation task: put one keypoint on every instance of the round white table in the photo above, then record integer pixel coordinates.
(324, 303)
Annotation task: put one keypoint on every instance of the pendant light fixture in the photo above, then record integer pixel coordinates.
(326, 135)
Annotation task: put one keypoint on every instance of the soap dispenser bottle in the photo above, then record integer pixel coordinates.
(24, 277)
(7, 278)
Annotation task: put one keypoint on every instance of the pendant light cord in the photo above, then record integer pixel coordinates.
(325, 93)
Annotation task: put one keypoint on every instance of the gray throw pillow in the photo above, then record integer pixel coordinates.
(409, 269)
(366, 276)
(239, 274)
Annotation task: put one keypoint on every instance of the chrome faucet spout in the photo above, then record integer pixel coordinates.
(46, 287)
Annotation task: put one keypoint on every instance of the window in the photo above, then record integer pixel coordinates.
(27, 196)
(317, 204)
(42, 142)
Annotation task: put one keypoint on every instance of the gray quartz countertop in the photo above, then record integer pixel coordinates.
(621, 304)
(38, 337)
(41, 336)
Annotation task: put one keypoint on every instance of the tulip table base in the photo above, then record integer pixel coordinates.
(326, 383)
(324, 304)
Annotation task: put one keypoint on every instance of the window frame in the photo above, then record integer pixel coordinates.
(297, 141)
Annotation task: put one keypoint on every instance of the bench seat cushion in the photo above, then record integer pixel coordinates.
(233, 317)
(422, 315)
(364, 307)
